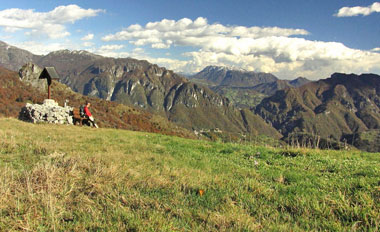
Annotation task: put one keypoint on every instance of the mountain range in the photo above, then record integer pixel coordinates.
(342, 108)
(337, 107)
(154, 89)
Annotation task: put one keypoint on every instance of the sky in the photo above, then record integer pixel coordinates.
(289, 38)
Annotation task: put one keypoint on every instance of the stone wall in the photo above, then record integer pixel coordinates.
(49, 112)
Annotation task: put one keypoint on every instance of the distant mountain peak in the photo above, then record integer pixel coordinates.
(222, 75)
(299, 81)
(215, 68)
(223, 68)
(73, 52)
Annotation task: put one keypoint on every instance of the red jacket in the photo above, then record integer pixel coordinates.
(87, 111)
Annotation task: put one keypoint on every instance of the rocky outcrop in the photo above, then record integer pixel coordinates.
(48, 112)
(29, 73)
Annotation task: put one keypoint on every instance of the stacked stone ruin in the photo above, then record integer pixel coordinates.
(48, 112)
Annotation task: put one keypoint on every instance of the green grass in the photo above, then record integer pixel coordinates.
(66, 178)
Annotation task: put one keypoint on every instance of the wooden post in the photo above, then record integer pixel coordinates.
(48, 91)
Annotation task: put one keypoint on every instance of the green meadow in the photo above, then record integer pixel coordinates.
(68, 178)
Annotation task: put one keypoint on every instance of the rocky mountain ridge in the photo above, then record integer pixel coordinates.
(337, 107)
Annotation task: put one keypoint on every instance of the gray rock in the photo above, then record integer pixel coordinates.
(29, 73)
(49, 112)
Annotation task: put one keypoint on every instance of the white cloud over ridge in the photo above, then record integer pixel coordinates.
(50, 23)
(87, 37)
(111, 51)
(39, 48)
(358, 10)
(265, 49)
(88, 44)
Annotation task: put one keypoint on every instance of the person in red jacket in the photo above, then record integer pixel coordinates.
(89, 115)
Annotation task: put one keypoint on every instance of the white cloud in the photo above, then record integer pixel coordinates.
(138, 50)
(11, 29)
(111, 51)
(266, 49)
(49, 23)
(358, 10)
(312, 68)
(45, 48)
(88, 37)
(88, 44)
(111, 47)
(172, 64)
(187, 32)
(375, 50)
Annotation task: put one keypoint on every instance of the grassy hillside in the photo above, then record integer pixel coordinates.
(67, 178)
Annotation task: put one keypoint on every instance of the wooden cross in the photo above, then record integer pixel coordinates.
(50, 74)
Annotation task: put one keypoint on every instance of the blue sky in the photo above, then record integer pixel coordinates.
(310, 38)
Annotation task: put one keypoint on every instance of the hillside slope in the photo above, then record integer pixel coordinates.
(14, 94)
(67, 178)
(332, 108)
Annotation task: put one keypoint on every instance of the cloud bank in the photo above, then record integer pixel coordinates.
(282, 51)
(50, 23)
(358, 10)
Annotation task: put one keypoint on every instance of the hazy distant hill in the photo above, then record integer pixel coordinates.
(222, 76)
(335, 108)
(298, 82)
(243, 88)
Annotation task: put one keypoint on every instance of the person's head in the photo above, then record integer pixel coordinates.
(88, 104)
